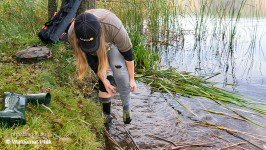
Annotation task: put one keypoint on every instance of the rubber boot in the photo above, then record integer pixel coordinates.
(107, 111)
(127, 115)
(13, 109)
(40, 98)
(107, 115)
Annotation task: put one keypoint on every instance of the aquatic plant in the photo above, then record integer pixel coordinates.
(171, 81)
(151, 23)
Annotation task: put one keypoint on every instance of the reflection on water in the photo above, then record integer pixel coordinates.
(202, 42)
(242, 68)
(160, 123)
(251, 7)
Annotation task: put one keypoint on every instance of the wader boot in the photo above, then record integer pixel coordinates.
(14, 105)
(106, 107)
(13, 109)
(107, 112)
(127, 115)
(40, 98)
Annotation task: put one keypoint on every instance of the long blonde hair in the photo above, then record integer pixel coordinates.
(82, 63)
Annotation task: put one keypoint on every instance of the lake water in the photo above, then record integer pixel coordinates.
(242, 68)
(161, 122)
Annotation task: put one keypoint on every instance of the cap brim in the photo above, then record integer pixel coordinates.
(90, 47)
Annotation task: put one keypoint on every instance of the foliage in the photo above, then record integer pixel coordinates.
(171, 81)
(70, 121)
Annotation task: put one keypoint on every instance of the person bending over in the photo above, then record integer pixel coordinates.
(101, 42)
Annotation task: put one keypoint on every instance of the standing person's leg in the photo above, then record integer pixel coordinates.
(121, 77)
(106, 101)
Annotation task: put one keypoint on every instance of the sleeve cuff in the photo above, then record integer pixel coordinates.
(128, 55)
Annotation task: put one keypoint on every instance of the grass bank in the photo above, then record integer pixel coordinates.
(70, 121)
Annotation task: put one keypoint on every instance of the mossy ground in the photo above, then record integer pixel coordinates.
(70, 121)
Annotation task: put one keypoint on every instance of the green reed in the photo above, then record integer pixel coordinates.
(171, 81)
(151, 19)
(20, 22)
(236, 15)
(158, 21)
(150, 23)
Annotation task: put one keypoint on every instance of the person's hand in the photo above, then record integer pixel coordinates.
(109, 88)
(133, 85)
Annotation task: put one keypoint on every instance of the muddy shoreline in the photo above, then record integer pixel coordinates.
(163, 122)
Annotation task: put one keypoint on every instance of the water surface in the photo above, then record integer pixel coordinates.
(203, 44)
(241, 68)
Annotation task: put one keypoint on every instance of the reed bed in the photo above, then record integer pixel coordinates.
(171, 81)
(149, 22)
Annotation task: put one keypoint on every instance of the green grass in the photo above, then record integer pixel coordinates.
(69, 116)
(70, 121)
